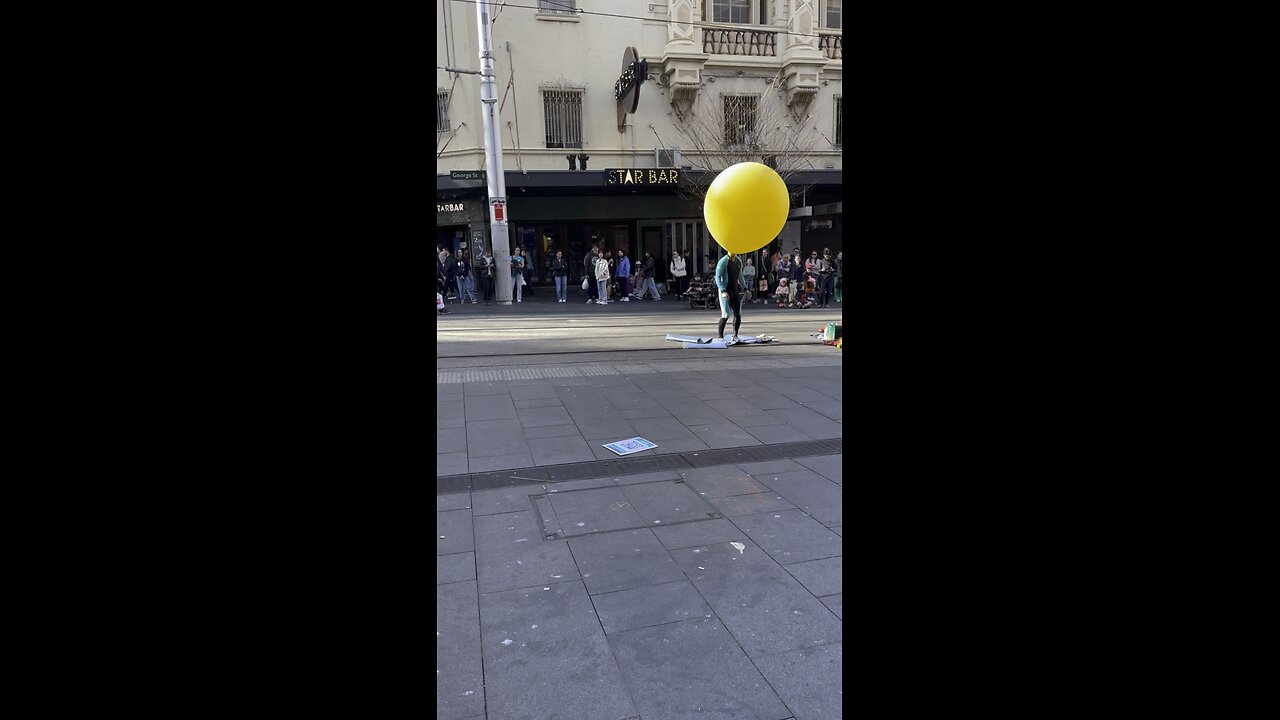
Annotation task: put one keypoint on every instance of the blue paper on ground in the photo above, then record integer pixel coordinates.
(630, 445)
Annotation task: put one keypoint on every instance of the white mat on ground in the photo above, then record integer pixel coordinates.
(694, 341)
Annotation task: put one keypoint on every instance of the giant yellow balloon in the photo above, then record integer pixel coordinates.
(746, 207)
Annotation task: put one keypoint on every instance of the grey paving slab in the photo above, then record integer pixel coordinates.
(455, 568)
(713, 394)
(487, 438)
(599, 510)
(734, 407)
(500, 462)
(623, 400)
(504, 500)
(560, 450)
(796, 392)
(790, 536)
(828, 466)
(698, 416)
(766, 399)
(821, 577)
(766, 609)
(671, 447)
(510, 553)
(836, 603)
(543, 416)
(538, 403)
(451, 439)
(770, 466)
(830, 408)
(453, 532)
(838, 529)
(486, 388)
(810, 492)
(453, 501)
(609, 429)
(721, 481)
(666, 502)
(623, 560)
(451, 464)
(648, 606)
(664, 428)
(532, 391)
(724, 435)
(547, 431)
(450, 414)
(699, 534)
(759, 419)
(646, 477)
(545, 656)
(459, 678)
(448, 392)
(738, 505)
(643, 411)
(813, 424)
(490, 407)
(809, 680)
(693, 669)
(777, 434)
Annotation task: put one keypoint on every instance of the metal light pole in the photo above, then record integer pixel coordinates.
(493, 162)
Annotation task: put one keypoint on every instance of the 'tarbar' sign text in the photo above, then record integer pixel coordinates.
(642, 177)
(448, 207)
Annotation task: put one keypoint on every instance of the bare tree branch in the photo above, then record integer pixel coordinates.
(726, 128)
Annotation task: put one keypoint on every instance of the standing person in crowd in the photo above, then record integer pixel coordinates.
(517, 274)
(608, 289)
(451, 279)
(649, 284)
(839, 276)
(826, 275)
(688, 265)
(748, 280)
(784, 273)
(679, 273)
(443, 255)
(796, 277)
(486, 275)
(624, 275)
(465, 285)
(589, 272)
(811, 265)
(729, 282)
(560, 271)
(602, 279)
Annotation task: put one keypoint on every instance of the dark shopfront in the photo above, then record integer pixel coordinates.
(462, 221)
(570, 210)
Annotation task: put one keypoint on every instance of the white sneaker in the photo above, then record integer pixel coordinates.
(589, 301)
(626, 299)
(475, 302)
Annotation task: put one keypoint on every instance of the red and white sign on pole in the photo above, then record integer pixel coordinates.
(499, 209)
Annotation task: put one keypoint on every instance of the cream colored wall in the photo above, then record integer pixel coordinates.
(588, 54)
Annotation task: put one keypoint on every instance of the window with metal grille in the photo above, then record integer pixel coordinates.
(740, 119)
(562, 114)
(557, 6)
(731, 11)
(839, 120)
(834, 13)
(442, 111)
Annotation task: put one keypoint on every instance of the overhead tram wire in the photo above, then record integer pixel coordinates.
(694, 23)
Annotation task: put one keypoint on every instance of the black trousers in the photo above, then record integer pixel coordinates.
(735, 306)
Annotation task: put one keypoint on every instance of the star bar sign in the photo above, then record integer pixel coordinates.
(627, 89)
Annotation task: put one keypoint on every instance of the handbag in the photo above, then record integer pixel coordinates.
(585, 282)
(764, 286)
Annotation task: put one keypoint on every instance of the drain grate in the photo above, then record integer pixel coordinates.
(475, 482)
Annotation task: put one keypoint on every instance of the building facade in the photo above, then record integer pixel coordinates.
(613, 124)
